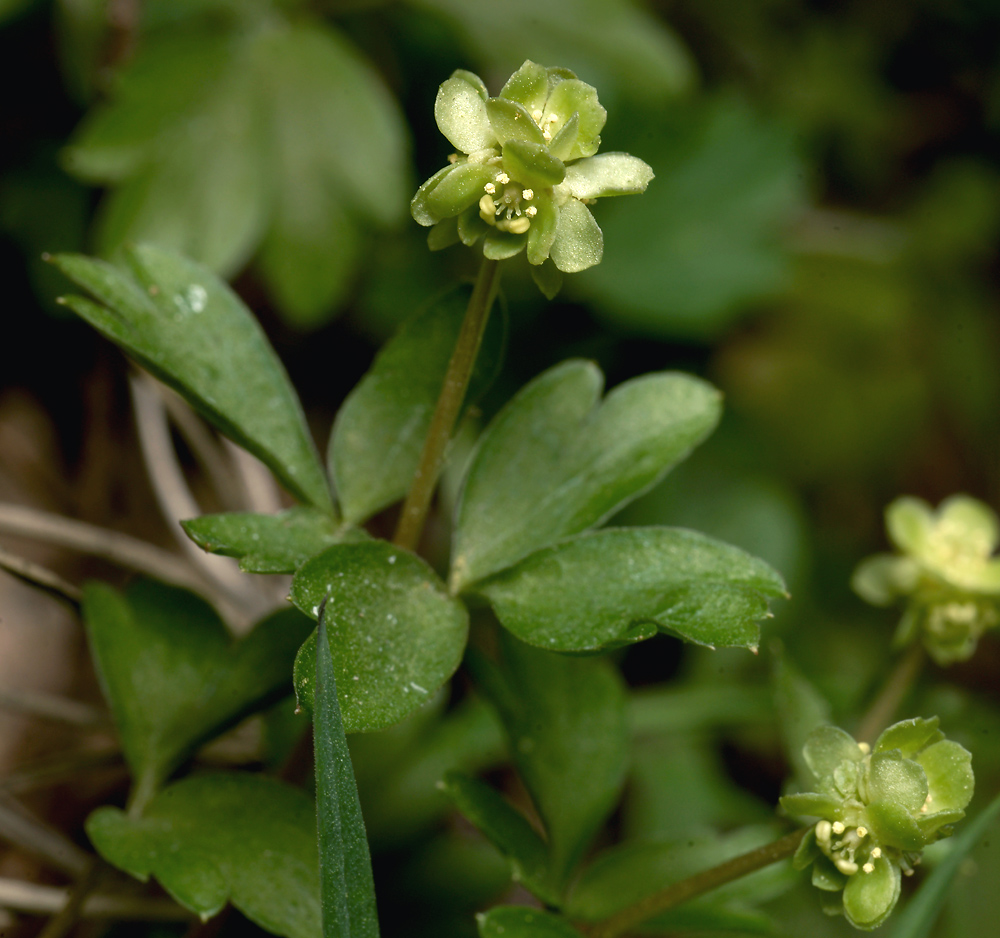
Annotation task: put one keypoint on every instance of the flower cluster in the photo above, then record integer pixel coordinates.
(525, 171)
(946, 573)
(878, 807)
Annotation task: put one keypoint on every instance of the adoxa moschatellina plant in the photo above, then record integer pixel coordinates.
(547, 471)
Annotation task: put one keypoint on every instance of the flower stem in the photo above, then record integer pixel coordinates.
(449, 405)
(895, 689)
(693, 886)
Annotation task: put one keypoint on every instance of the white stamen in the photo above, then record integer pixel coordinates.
(546, 136)
(837, 827)
(536, 114)
(531, 211)
(527, 194)
(865, 748)
(490, 188)
(869, 867)
(876, 853)
(862, 832)
(503, 178)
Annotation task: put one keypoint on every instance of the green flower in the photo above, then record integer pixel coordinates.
(525, 171)
(878, 808)
(946, 573)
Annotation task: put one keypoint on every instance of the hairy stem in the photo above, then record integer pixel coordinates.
(694, 886)
(895, 689)
(449, 405)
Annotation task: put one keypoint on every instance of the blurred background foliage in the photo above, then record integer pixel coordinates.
(820, 241)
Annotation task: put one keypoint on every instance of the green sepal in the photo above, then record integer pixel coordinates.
(548, 278)
(807, 850)
(499, 245)
(562, 143)
(419, 208)
(471, 226)
(443, 235)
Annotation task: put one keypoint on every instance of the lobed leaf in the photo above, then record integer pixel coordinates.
(187, 327)
(278, 543)
(566, 722)
(172, 676)
(224, 837)
(621, 584)
(557, 460)
(380, 429)
(395, 635)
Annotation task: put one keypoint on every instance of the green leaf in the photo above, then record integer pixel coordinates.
(556, 460)
(507, 829)
(182, 323)
(380, 429)
(621, 584)
(224, 837)
(172, 676)
(615, 44)
(346, 884)
(566, 722)
(278, 543)
(395, 634)
(156, 89)
(705, 242)
(332, 119)
(917, 919)
(514, 921)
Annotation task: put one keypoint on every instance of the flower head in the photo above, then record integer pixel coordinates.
(946, 572)
(878, 806)
(525, 171)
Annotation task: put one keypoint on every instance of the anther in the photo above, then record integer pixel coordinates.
(531, 211)
(862, 832)
(546, 136)
(869, 867)
(503, 178)
(865, 748)
(490, 188)
(847, 867)
(876, 853)
(536, 114)
(837, 827)
(527, 194)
